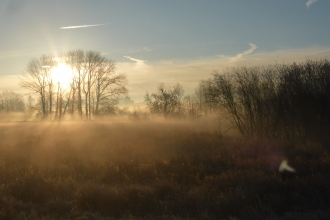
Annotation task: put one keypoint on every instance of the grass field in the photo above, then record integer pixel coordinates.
(156, 170)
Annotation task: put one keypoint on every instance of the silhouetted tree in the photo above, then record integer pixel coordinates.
(166, 101)
(192, 108)
(304, 94)
(290, 101)
(109, 86)
(95, 79)
(249, 94)
(38, 80)
(94, 84)
(75, 59)
(204, 97)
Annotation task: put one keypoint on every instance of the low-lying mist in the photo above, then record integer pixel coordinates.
(16, 116)
(123, 169)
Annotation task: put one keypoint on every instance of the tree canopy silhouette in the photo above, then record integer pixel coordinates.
(166, 101)
(287, 100)
(94, 86)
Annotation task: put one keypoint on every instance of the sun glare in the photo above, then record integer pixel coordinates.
(62, 74)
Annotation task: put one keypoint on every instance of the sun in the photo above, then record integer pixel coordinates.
(62, 74)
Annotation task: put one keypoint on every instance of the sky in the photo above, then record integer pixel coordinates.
(155, 41)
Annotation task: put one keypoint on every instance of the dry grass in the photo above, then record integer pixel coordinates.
(156, 170)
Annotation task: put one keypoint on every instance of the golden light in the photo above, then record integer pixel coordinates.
(62, 74)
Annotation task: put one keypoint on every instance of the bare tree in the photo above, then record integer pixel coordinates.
(37, 79)
(290, 101)
(249, 94)
(166, 101)
(304, 94)
(96, 79)
(75, 59)
(94, 82)
(192, 108)
(93, 65)
(109, 86)
(60, 108)
(203, 95)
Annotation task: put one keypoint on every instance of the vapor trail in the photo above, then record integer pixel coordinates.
(134, 59)
(310, 2)
(238, 56)
(82, 26)
(139, 63)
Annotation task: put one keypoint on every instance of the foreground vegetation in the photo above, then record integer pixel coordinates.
(156, 170)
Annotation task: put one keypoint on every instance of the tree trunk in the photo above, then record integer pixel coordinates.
(89, 98)
(79, 97)
(67, 102)
(73, 98)
(86, 105)
(60, 107)
(43, 104)
(50, 100)
(57, 102)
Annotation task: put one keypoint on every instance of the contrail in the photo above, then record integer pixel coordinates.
(310, 2)
(252, 48)
(82, 26)
(139, 63)
(133, 59)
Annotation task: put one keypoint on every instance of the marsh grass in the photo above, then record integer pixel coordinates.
(156, 170)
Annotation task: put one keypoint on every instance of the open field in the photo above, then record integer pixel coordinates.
(156, 170)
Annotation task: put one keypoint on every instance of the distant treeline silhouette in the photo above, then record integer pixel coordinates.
(171, 102)
(284, 100)
(290, 101)
(11, 102)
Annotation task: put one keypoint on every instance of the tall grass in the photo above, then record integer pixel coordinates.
(156, 170)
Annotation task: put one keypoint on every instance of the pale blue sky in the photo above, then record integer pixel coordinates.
(172, 37)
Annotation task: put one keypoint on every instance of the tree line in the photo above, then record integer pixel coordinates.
(170, 102)
(11, 102)
(290, 101)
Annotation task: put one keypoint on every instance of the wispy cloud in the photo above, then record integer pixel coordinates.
(139, 63)
(189, 72)
(82, 26)
(310, 2)
(144, 49)
(238, 56)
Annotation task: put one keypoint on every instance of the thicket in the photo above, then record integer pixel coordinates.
(290, 101)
